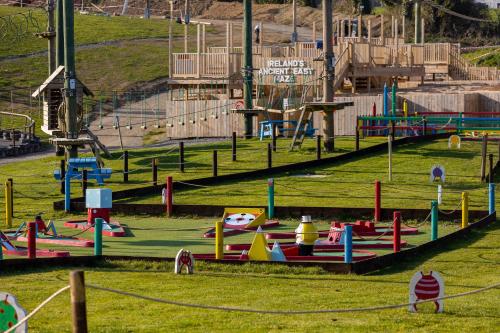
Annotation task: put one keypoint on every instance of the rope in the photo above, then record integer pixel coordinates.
(418, 224)
(451, 211)
(38, 308)
(287, 312)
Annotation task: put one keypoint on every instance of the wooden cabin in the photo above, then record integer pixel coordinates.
(52, 92)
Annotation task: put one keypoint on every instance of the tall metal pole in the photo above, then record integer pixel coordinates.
(418, 16)
(187, 18)
(294, 21)
(51, 36)
(248, 76)
(59, 34)
(329, 69)
(70, 76)
(170, 39)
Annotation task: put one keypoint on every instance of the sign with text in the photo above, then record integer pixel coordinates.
(286, 71)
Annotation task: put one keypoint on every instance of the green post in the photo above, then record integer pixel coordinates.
(394, 98)
(248, 66)
(434, 220)
(70, 76)
(98, 237)
(59, 34)
(270, 198)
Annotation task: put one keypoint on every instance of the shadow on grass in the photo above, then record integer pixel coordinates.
(472, 237)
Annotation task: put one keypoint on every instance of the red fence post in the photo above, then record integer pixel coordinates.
(169, 194)
(377, 200)
(397, 232)
(31, 240)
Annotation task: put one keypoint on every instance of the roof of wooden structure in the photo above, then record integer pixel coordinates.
(52, 78)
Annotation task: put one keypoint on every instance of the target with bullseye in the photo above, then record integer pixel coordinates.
(239, 219)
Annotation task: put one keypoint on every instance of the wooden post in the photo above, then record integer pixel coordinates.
(360, 28)
(314, 32)
(8, 206)
(154, 170)
(342, 29)
(78, 306)
(169, 189)
(228, 57)
(181, 156)
(382, 32)
(170, 39)
(269, 156)
(318, 147)
(392, 27)
(11, 182)
(233, 146)
(125, 166)
(203, 38)
(369, 31)
(84, 182)
(349, 26)
(357, 135)
(423, 32)
(214, 163)
(484, 149)
(403, 26)
(396, 41)
(63, 174)
(261, 34)
(198, 51)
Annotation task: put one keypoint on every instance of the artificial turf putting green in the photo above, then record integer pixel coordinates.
(465, 265)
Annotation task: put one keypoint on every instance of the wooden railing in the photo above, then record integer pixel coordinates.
(445, 56)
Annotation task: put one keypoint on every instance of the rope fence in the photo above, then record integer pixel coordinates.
(287, 312)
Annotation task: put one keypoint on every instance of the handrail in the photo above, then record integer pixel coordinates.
(30, 126)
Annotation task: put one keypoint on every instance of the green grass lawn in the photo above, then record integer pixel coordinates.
(351, 184)
(88, 29)
(36, 189)
(464, 265)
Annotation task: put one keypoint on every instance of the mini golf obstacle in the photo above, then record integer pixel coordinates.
(10, 249)
(47, 234)
(360, 228)
(98, 203)
(240, 220)
(335, 240)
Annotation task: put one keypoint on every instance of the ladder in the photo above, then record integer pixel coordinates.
(302, 127)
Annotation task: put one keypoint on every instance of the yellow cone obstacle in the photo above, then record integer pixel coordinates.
(259, 249)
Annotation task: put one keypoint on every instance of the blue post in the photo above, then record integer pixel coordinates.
(67, 192)
(393, 99)
(385, 109)
(270, 198)
(491, 197)
(434, 220)
(98, 237)
(348, 244)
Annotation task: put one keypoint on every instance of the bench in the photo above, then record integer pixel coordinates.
(85, 163)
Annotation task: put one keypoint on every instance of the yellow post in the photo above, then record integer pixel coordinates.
(405, 108)
(219, 240)
(465, 209)
(8, 205)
